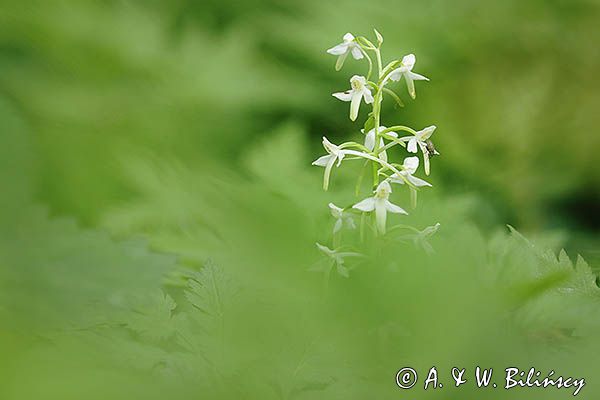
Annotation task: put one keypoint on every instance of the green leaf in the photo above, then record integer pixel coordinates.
(369, 124)
(365, 42)
(152, 317)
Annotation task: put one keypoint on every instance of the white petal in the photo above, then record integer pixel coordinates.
(322, 161)
(336, 211)
(411, 164)
(355, 105)
(383, 155)
(342, 270)
(331, 148)
(391, 207)
(383, 189)
(361, 79)
(339, 49)
(370, 140)
(337, 226)
(412, 145)
(395, 75)
(357, 53)
(325, 249)
(397, 178)
(427, 132)
(339, 63)
(430, 230)
(327, 172)
(344, 96)
(348, 37)
(380, 214)
(409, 61)
(349, 223)
(426, 161)
(410, 84)
(418, 182)
(340, 156)
(368, 96)
(366, 205)
(417, 77)
(413, 197)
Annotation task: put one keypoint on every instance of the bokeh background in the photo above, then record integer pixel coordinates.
(513, 92)
(192, 123)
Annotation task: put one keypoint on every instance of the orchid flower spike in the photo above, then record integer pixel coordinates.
(408, 62)
(341, 218)
(334, 153)
(349, 45)
(409, 167)
(370, 141)
(380, 204)
(420, 140)
(337, 259)
(359, 89)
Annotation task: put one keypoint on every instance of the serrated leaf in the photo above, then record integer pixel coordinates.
(152, 317)
(210, 290)
(54, 274)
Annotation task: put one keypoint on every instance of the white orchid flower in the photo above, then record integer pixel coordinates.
(419, 141)
(370, 141)
(408, 62)
(341, 218)
(337, 258)
(334, 153)
(410, 166)
(355, 95)
(380, 204)
(421, 238)
(349, 45)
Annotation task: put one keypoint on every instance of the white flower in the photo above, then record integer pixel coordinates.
(349, 45)
(333, 153)
(408, 62)
(337, 259)
(421, 238)
(341, 218)
(370, 141)
(410, 166)
(380, 204)
(356, 94)
(419, 140)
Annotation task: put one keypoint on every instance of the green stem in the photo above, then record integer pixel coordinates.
(370, 63)
(398, 128)
(393, 141)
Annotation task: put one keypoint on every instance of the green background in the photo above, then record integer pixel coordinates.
(140, 138)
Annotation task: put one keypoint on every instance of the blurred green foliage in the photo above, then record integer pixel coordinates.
(512, 89)
(192, 124)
